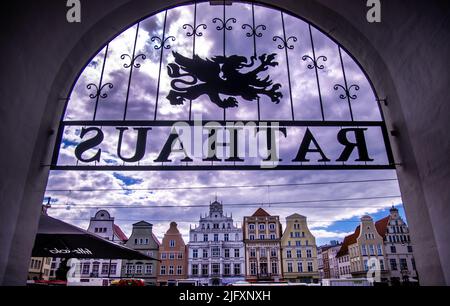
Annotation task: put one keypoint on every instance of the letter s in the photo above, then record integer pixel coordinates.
(89, 144)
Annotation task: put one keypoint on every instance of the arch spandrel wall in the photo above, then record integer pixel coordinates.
(393, 60)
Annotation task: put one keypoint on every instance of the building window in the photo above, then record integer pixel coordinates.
(195, 237)
(86, 268)
(171, 270)
(289, 267)
(172, 243)
(205, 270)
(273, 236)
(251, 226)
(393, 264)
(205, 253)
(180, 255)
(216, 237)
(273, 252)
(171, 255)
(226, 269)
(226, 237)
(95, 268)
(393, 249)
(252, 252)
(262, 252)
(113, 269)
(403, 264)
(236, 253)
(237, 269)
(105, 269)
(262, 226)
(410, 249)
(300, 266)
(148, 269)
(298, 243)
(215, 226)
(252, 237)
(195, 253)
(163, 270)
(371, 249)
(262, 236)
(381, 264)
(288, 254)
(205, 237)
(308, 254)
(379, 250)
(310, 267)
(274, 267)
(138, 269)
(194, 269)
(272, 226)
(163, 255)
(227, 253)
(130, 269)
(215, 252)
(299, 253)
(366, 266)
(179, 270)
(363, 250)
(253, 269)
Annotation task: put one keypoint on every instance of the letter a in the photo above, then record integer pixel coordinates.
(374, 13)
(74, 13)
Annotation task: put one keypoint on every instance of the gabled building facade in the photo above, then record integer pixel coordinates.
(143, 240)
(299, 251)
(216, 250)
(399, 251)
(173, 256)
(262, 240)
(100, 270)
(396, 265)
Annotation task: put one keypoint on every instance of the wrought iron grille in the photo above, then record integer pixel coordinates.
(225, 63)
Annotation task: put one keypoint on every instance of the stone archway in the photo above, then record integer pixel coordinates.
(33, 114)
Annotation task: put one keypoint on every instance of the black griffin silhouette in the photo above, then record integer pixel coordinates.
(212, 83)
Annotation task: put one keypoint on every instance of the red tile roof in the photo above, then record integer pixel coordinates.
(381, 226)
(260, 213)
(119, 233)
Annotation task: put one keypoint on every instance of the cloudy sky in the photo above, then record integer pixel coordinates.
(160, 197)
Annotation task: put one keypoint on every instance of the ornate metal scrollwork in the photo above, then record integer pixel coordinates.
(315, 63)
(194, 31)
(254, 31)
(132, 60)
(224, 24)
(347, 91)
(98, 91)
(162, 43)
(285, 43)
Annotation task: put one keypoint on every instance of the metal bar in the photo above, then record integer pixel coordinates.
(221, 167)
(345, 83)
(255, 55)
(194, 32)
(169, 123)
(160, 64)
(101, 81)
(317, 73)
(224, 48)
(287, 64)
(131, 72)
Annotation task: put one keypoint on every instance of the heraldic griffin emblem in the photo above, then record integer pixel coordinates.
(221, 75)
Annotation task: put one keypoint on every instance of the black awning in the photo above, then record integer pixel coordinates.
(56, 238)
